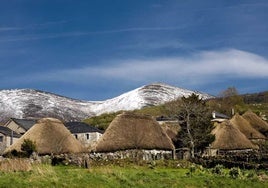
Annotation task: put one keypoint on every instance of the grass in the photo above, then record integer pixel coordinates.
(127, 176)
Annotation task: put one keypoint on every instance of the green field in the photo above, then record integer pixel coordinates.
(130, 176)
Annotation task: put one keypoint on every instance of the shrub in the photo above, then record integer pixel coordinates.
(250, 175)
(234, 172)
(192, 170)
(14, 153)
(28, 146)
(218, 169)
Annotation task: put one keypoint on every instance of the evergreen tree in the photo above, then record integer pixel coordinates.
(194, 118)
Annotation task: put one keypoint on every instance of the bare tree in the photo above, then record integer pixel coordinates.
(230, 101)
(229, 92)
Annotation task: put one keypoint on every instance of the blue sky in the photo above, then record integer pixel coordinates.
(99, 49)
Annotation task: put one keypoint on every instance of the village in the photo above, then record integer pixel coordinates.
(123, 93)
(134, 136)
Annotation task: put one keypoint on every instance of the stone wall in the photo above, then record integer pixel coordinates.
(134, 154)
(83, 160)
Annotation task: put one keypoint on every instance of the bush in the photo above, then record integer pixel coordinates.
(218, 169)
(234, 172)
(14, 153)
(28, 146)
(192, 170)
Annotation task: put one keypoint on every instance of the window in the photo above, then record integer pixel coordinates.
(76, 136)
(1, 138)
(87, 136)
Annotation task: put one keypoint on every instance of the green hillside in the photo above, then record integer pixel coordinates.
(257, 102)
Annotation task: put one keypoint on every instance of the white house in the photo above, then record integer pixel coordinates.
(20, 126)
(7, 138)
(83, 132)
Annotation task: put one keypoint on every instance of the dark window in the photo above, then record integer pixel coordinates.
(1, 138)
(87, 136)
(76, 136)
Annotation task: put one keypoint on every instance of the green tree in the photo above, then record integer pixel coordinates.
(28, 146)
(194, 118)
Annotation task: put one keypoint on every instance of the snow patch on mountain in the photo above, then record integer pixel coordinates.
(25, 103)
(149, 95)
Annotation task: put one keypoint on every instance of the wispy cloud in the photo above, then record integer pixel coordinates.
(32, 26)
(141, 29)
(13, 38)
(198, 69)
(10, 28)
(154, 44)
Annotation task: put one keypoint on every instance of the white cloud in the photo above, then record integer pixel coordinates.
(200, 68)
(231, 63)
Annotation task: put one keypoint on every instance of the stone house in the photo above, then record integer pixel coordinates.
(228, 138)
(20, 126)
(7, 138)
(135, 136)
(51, 137)
(86, 134)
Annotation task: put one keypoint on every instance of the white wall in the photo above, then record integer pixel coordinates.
(87, 139)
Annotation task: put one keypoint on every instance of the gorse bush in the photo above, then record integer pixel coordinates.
(235, 172)
(218, 169)
(28, 146)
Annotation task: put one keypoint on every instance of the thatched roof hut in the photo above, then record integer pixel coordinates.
(246, 128)
(256, 122)
(228, 137)
(172, 128)
(130, 131)
(50, 136)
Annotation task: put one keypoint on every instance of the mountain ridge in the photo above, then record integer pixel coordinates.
(31, 103)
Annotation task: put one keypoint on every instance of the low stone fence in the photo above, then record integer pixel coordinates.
(83, 159)
(241, 160)
(134, 154)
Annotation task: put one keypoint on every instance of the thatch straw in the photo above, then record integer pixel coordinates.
(228, 137)
(172, 129)
(14, 165)
(246, 128)
(50, 136)
(256, 122)
(130, 131)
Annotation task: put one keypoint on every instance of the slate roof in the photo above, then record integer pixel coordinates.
(220, 115)
(80, 127)
(25, 123)
(164, 118)
(8, 132)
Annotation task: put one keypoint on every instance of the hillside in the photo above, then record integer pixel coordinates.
(256, 102)
(29, 103)
(254, 98)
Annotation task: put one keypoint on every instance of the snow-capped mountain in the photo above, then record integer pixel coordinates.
(29, 103)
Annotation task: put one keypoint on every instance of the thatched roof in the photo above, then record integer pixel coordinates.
(256, 122)
(172, 128)
(130, 131)
(50, 136)
(246, 128)
(228, 137)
